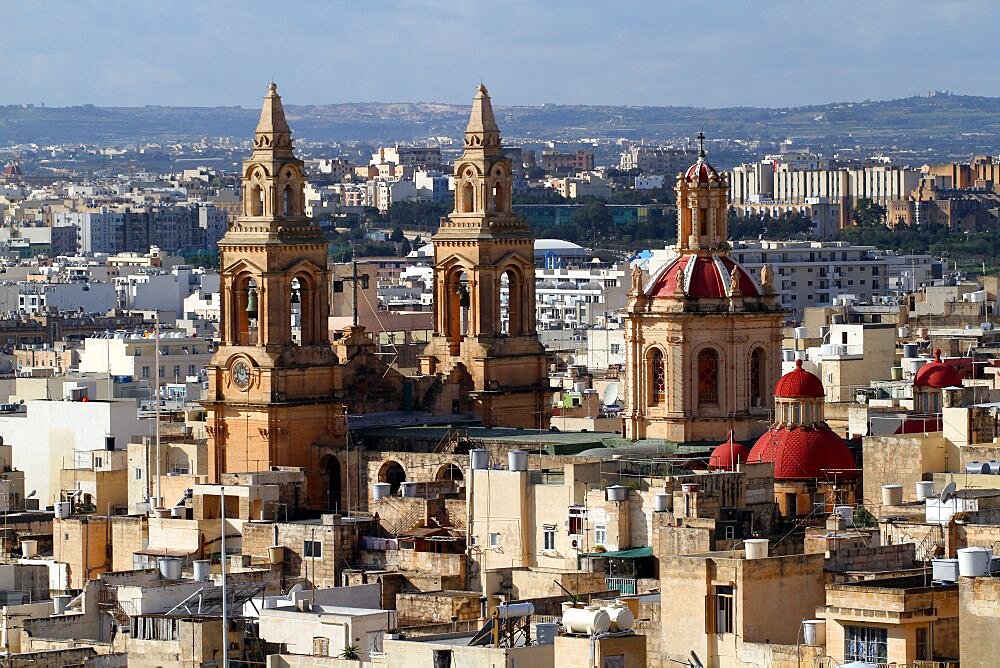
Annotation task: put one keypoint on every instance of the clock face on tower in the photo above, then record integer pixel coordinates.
(240, 372)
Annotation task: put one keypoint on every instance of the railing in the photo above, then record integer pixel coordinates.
(624, 586)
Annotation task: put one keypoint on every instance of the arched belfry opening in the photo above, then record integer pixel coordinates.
(512, 284)
(467, 198)
(244, 310)
(287, 200)
(304, 307)
(256, 200)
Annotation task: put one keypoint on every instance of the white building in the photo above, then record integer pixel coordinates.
(80, 296)
(52, 435)
(133, 355)
(578, 297)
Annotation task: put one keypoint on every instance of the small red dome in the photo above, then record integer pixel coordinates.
(938, 374)
(799, 383)
(724, 454)
(802, 453)
(705, 276)
(701, 173)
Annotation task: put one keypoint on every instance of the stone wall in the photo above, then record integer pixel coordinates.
(979, 609)
(436, 607)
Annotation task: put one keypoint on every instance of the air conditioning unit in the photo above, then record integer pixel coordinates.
(575, 541)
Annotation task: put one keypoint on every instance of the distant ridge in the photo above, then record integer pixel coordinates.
(972, 123)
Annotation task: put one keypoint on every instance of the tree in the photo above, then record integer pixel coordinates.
(869, 214)
(405, 247)
(397, 235)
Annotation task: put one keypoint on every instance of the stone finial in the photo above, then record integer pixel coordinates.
(767, 278)
(734, 282)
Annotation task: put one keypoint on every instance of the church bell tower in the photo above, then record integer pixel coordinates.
(273, 378)
(492, 367)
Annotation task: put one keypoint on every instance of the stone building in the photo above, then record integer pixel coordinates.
(702, 335)
(480, 248)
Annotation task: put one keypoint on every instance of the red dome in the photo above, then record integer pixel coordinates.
(802, 453)
(724, 454)
(799, 383)
(701, 172)
(938, 374)
(706, 276)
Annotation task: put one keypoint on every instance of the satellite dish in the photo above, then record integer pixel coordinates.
(610, 394)
(948, 492)
(294, 589)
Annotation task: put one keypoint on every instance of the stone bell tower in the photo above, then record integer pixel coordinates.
(273, 378)
(483, 263)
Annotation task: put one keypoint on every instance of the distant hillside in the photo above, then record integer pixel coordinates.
(969, 124)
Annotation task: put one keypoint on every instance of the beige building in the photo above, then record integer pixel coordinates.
(702, 335)
(978, 611)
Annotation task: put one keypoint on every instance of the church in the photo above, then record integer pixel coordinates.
(702, 334)
(280, 387)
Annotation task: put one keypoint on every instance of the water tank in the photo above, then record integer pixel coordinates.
(408, 489)
(994, 466)
(892, 495)
(801, 332)
(616, 493)
(661, 502)
(380, 490)
(60, 602)
(755, 548)
(903, 331)
(814, 632)
(479, 459)
(29, 548)
(517, 460)
(109, 442)
(178, 512)
(788, 355)
(925, 488)
(546, 632)
(971, 467)
(580, 386)
(202, 570)
(512, 610)
(621, 617)
(914, 365)
(896, 373)
(910, 349)
(944, 570)
(170, 568)
(974, 562)
(846, 512)
(590, 620)
(63, 509)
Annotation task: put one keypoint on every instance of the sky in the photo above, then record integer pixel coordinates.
(771, 53)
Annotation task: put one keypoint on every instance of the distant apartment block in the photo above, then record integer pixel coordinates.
(581, 161)
(656, 160)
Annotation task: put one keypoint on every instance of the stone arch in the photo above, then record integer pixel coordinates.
(708, 374)
(449, 472)
(244, 295)
(458, 303)
(303, 306)
(332, 471)
(256, 200)
(288, 200)
(656, 375)
(513, 278)
(393, 473)
(466, 197)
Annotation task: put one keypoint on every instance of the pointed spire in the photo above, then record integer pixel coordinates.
(272, 129)
(482, 130)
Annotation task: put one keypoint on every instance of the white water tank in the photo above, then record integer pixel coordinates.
(915, 365)
(974, 562)
(892, 495)
(755, 548)
(29, 548)
(580, 386)
(178, 512)
(590, 620)
(925, 488)
(60, 602)
(513, 610)
(202, 569)
(814, 632)
(63, 509)
(621, 617)
(944, 570)
(479, 459)
(661, 502)
(380, 490)
(517, 460)
(170, 568)
(616, 493)
(546, 632)
(846, 512)
(408, 489)
(800, 332)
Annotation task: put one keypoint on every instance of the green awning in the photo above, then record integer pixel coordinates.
(634, 553)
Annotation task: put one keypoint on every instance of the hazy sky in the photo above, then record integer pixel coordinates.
(720, 53)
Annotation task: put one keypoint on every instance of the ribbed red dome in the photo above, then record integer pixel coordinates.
(701, 172)
(706, 276)
(804, 453)
(724, 454)
(938, 374)
(799, 383)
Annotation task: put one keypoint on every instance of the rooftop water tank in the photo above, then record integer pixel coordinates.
(661, 502)
(517, 460)
(755, 548)
(971, 467)
(800, 332)
(589, 621)
(513, 610)
(974, 562)
(944, 570)
(892, 495)
(408, 489)
(29, 548)
(380, 490)
(479, 459)
(63, 509)
(847, 512)
(925, 488)
(621, 617)
(170, 568)
(202, 569)
(814, 632)
(616, 493)
(546, 632)
(910, 349)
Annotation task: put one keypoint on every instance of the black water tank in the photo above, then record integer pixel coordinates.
(109, 443)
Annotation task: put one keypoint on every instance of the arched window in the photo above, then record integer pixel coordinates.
(757, 366)
(286, 200)
(499, 197)
(256, 200)
(708, 376)
(467, 201)
(657, 377)
(515, 312)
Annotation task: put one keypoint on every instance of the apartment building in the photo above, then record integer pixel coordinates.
(656, 160)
